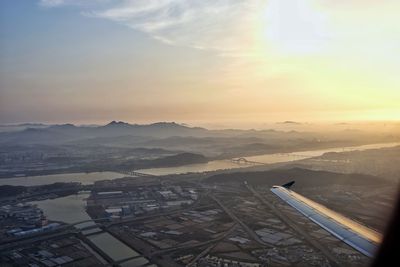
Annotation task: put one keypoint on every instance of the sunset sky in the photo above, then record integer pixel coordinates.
(199, 61)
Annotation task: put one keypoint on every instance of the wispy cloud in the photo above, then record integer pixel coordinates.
(79, 3)
(51, 3)
(222, 25)
(230, 27)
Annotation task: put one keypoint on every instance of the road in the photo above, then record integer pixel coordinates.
(208, 242)
(249, 231)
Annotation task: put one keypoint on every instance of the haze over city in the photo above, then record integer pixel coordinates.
(198, 62)
(199, 133)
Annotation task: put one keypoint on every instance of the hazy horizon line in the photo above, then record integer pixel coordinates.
(212, 124)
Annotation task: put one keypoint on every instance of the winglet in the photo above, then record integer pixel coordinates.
(288, 185)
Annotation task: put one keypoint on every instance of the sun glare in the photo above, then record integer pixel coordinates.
(295, 27)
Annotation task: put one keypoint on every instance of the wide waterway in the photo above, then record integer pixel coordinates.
(287, 157)
(88, 178)
(264, 159)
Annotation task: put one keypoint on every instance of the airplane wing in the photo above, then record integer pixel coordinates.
(352, 233)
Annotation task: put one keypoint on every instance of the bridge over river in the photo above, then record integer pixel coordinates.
(245, 161)
(135, 173)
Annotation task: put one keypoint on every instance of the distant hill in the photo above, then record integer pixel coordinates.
(68, 132)
(157, 130)
(25, 125)
(290, 122)
(170, 131)
(226, 143)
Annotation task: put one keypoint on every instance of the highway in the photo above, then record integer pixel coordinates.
(212, 241)
(250, 232)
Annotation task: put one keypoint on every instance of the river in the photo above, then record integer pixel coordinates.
(265, 159)
(88, 178)
(287, 157)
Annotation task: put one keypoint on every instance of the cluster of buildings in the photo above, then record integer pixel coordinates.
(186, 229)
(21, 212)
(65, 251)
(49, 259)
(24, 219)
(138, 201)
(19, 232)
(213, 261)
(20, 161)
